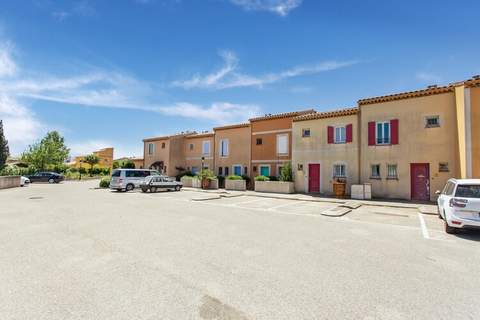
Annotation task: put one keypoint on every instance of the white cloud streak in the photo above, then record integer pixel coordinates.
(279, 7)
(228, 75)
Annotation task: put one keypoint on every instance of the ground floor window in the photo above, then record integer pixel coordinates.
(227, 171)
(375, 174)
(392, 171)
(265, 171)
(279, 170)
(339, 171)
(237, 170)
(194, 170)
(220, 171)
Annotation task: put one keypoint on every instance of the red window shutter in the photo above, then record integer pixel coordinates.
(349, 131)
(330, 134)
(371, 133)
(394, 131)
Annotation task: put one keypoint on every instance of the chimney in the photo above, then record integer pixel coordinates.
(432, 86)
(476, 77)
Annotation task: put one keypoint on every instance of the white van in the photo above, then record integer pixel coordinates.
(129, 179)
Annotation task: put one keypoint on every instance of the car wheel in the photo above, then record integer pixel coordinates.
(153, 189)
(129, 187)
(450, 230)
(177, 188)
(51, 180)
(144, 190)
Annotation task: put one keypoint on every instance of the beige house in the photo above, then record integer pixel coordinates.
(166, 153)
(232, 149)
(199, 151)
(413, 142)
(105, 156)
(325, 147)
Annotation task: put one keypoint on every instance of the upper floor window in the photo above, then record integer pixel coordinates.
(282, 144)
(259, 141)
(223, 147)
(340, 135)
(163, 145)
(305, 133)
(206, 147)
(383, 132)
(432, 121)
(191, 146)
(151, 148)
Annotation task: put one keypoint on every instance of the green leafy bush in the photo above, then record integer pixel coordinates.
(181, 174)
(105, 182)
(17, 171)
(262, 178)
(72, 170)
(273, 178)
(286, 173)
(207, 174)
(234, 177)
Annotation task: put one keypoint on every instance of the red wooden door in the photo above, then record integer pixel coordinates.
(420, 181)
(314, 177)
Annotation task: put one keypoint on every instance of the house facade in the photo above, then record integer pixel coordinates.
(232, 150)
(199, 151)
(411, 143)
(271, 142)
(325, 148)
(165, 154)
(105, 156)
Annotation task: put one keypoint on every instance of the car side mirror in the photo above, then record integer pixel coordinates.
(438, 192)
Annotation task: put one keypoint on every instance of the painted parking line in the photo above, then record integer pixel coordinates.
(423, 225)
(244, 202)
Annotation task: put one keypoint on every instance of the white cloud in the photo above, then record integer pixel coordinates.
(7, 65)
(428, 77)
(228, 76)
(280, 7)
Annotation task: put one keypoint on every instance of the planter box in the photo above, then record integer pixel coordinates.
(213, 184)
(274, 186)
(196, 183)
(362, 191)
(9, 182)
(190, 182)
(240, 185)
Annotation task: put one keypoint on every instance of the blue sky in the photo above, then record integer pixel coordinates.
(110, 73)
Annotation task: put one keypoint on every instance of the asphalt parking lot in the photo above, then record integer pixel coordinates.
(70, 251)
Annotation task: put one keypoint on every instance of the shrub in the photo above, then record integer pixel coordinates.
(95, 171)
(273, 178)
(286, 173)
(82, 170)
(234, 177)
(12, 170)
(181, 174)
(262, 178)
(72, 170)
(221, 181)
(106, 171)
(105, 182)
(206, 174)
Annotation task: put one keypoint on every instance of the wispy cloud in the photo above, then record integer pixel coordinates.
(280, 7)
(7, 65)
(228, 75)
(428, 77)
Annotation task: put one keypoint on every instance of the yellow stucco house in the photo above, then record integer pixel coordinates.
(105, 155)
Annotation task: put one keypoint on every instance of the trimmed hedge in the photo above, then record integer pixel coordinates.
(105, 182)
(234, 177)
(262, 178)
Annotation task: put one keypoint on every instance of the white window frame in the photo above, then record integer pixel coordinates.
(264, 166)
(379, 171)
(388, 171)
(237, 165)
(278, 144)
(344, 170)
(205, 143)
(224, 155)
(432, 117)
(336, 138)
(383, 123)
(153, 148)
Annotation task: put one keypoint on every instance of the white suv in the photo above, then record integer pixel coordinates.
(459, 204)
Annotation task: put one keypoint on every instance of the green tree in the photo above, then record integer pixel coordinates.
(49, 152)
(92, 160)
(4, 151)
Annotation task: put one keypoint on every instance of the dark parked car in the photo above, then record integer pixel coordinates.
(50, 177)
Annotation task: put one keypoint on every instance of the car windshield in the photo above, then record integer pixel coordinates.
(468, 191)
(116, 173)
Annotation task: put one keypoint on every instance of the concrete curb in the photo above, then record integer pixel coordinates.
(336, 212)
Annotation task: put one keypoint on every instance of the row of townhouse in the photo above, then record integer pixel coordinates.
(405, 145)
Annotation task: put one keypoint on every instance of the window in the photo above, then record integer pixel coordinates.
(237, 170)
(449, 187)
(259, 141)
(163, 145)
(226, 171)
(220, 171)
(432, 121)
(443, 167)
(305, 133)
(340, 135)
(245, 170)
(383, 132)
(265, 171)
(279, 170)
(191, 146)
(206, 147)
(339, 170)
(150, 148)
(282, 144)
(224, 147)
(194, 170)
(468, 191)
(392, 171)
(375, 172)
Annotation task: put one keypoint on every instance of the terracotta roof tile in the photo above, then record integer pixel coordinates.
(232, 126)
(406, 95)
(200, 135)
(327, 114)
(282, 115)
(169, 136)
